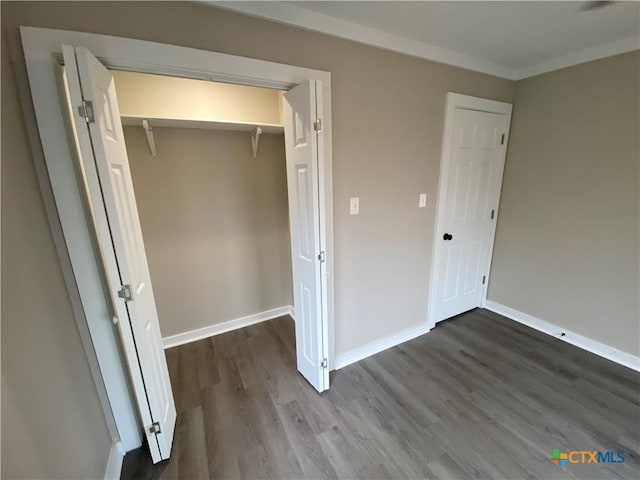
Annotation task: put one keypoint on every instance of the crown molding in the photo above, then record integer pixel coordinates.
(581, 56)
(288, 14)
(318, 22)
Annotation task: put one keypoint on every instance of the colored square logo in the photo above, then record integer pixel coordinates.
(559, 458)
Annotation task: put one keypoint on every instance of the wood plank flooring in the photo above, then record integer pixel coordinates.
(478, 397)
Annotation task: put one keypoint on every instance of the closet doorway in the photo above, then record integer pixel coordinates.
(89, 174)
(208, 167)
(191, 251)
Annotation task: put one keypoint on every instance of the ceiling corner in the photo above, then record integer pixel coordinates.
(581, 56)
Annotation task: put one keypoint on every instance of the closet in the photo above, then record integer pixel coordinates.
(209, 172)
(181, 183)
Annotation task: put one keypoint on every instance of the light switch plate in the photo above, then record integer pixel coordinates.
(354, 206)
(422, 201)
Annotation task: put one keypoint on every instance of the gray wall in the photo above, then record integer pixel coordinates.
(388, 113)
(52, 423)
(215, 224)
(567, 242)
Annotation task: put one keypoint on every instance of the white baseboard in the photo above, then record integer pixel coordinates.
(292, 312)
(218, 328)
(588, 344)
(114, 462)
(379, 345)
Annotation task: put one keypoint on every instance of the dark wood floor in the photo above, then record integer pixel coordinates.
(478, 397)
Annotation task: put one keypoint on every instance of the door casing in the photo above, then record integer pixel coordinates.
(453, 101)
(41, 48)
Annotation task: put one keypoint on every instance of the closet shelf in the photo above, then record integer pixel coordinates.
(203, 124)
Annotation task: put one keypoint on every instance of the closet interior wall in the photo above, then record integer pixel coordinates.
(215, 224)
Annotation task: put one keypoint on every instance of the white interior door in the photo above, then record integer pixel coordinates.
(301, 138)
(102, 149)
(470, 193)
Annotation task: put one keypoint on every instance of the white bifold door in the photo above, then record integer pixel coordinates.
(302, 133)
(103, 159)
(472, 179)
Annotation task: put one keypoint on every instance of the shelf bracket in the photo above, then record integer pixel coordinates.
(149, 131)
(255, 139)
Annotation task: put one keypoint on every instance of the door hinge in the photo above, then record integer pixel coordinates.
(324, 363)
(493, 213)
(86, 111)
(125, 293)
(502, 140)
(321, 256)
(154, 428)
(317, 125)
(484, 279)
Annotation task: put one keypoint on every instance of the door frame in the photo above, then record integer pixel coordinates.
(453, 101)
(41, 48)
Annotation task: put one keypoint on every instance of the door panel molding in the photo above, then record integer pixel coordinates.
(456, 101)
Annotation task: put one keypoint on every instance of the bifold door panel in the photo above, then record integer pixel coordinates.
(302, 127)
(102, 149)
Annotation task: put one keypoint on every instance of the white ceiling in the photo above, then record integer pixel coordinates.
(513, 39)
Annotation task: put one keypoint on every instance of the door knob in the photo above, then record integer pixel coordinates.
(447, 236)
